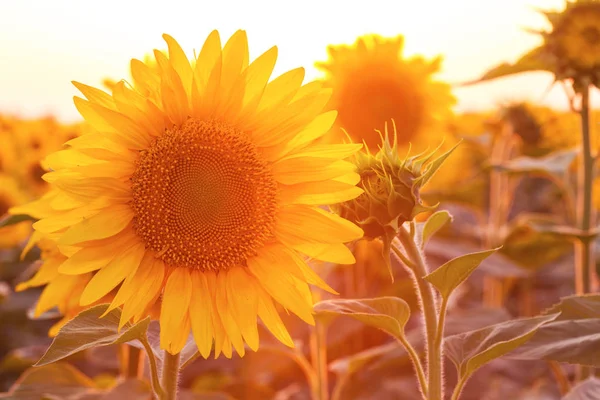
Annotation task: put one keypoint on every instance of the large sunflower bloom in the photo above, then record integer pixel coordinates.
(374, 83)
(201, 187)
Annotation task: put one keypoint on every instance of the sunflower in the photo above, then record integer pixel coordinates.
(202, 187)
(12, 195)
(570, 49)
(574, 41)
(373, 83)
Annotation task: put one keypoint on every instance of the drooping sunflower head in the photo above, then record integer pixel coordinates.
(202, 187)
(391, 186)
(573, 43)
(373, 83)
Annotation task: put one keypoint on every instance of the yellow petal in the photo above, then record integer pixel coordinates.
(180, 63)
(229, 324)
(106, 120)
(281, 89)
(293, 264)
(175, 309)
(148, 279)
(106, 223)
(314, 224)
(96, 96)
(298, 170)
(270, 317)
(337, 253)
(173, 94)
(201, 313)
(107, 278)
(282, 286)
(243, 303)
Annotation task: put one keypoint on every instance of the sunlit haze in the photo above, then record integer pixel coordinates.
(47, 44)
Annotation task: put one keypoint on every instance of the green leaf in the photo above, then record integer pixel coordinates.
(447, 277)
(15, 219)
(569, 341)
(586, 390)
(553, 164)
(433, 224)
(88, 330)
(532, 61)
(576, 307)
(389, 314)
(471, 350)
(58, 380)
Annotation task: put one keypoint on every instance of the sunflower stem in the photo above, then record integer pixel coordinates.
(170, 375)
(499, 201)
(584, 250)
(155, 380)
(435, 386)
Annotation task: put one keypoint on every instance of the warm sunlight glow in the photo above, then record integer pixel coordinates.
(46, 45)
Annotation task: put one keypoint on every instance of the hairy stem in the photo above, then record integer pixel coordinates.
(153, 369)
(459, 387)
(170, 375)
(414, 357)
(429, 308)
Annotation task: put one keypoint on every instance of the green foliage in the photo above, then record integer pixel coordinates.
(554, 165)
(389, 314)
(469, 351)
(433, 224)
(447, 277)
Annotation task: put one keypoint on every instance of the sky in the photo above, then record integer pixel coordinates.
(44, 45)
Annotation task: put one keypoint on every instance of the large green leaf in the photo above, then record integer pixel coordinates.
(59, 380)
(531, 61)
(471, 350)
(586, 390)
(88, 330)
(389, 314)
(447, 277)
(570, 341)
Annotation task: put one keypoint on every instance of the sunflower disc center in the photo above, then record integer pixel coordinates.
(202, 197)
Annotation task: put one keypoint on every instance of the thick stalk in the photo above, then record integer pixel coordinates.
(584, 249)
(170, 375)
(499, 201)
(429, 309)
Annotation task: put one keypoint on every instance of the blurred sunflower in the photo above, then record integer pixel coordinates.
(374, 83)
(204, 192)
(570, 49)
(12, 195)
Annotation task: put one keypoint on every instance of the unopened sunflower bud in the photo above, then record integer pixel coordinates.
(391, 191)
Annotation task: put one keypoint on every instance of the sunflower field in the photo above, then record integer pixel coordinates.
(211, 229)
